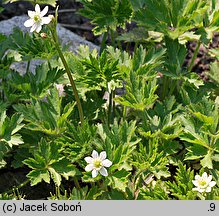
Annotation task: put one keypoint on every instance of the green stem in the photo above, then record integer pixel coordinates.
(112, 34)
(110, 108)
(49, 65)
(67, 69)
(28, 66)
(18, 187)
(124, 114)
(77, 185)
(213, 4)
(173, 86)
(165, 87)
(194, 56)
(2, 89)
(103, 42)
(114, 104)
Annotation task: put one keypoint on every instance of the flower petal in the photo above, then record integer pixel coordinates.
(102, 155)
(195, 189)
(195, 182)
(209, 178)
(204, 175)
(44, 11)
(38, 27)
(31, 14)
(37, 8)
(197, 177)
(201, 190)
(106, 163)
(89, 159)
(208, 189)
(94, 173)
(103, 171)
(45, 20)
(89, 167)
(212, 183)
(33, 28)
(95, 154)
(29, 23)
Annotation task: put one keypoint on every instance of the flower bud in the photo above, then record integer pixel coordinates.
(43, 35)
(52, 18)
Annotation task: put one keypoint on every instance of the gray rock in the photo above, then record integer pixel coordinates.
(67, 38)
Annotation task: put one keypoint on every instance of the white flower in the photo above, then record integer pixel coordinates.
(97, 163)
(203, 183)
(37, 19)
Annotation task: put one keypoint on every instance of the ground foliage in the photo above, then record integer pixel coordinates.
(157, 120)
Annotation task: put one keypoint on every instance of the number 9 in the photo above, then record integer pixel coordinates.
(212, 206)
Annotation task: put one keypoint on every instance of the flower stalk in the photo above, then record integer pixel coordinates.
(194, 56)
(65, 64)
(67, 69)
(36, 21)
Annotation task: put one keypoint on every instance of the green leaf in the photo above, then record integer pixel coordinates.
(64, 168)
(107, 14)
(94, 193)
(119, 142)
(78, 140)
(213, 73)
(8, 133)
(146, 63)
(215, 157)
(157, 192)
(22, 153)
(36, 176)
(99, 71)
(46, 116)
(149, 160)
(195, 152)
(201, 131)
(182, 15)
(205, 119)
(31, 46)
(163, 121)
(55, 176)
(115, 194)
(207, 161)
(48, 162)
(188, 36)
(15, 140)
(153, 15)
(181, 187)
(140, 94)
(119, 180)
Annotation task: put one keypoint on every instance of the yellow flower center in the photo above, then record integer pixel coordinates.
(36, 18)
(202, 183)
(97, 163)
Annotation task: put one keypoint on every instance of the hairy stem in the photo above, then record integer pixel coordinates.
(67, 69)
